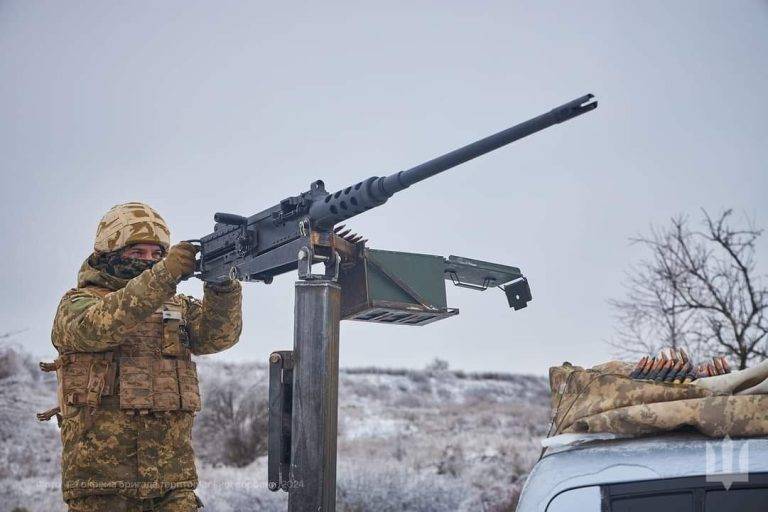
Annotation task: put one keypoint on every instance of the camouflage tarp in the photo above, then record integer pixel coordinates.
(605, 399)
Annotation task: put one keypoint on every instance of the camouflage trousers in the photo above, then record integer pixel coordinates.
(182, 500)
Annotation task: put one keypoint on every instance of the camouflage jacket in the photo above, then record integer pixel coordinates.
(108, 450)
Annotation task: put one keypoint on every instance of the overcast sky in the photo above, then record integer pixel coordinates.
(198, 107)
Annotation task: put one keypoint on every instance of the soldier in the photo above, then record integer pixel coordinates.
(127, 386)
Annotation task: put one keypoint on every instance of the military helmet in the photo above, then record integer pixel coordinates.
(131, 223)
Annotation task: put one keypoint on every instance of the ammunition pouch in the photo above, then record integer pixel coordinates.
(151, 371)
(158, 385)
(189, 389)
(83, 378)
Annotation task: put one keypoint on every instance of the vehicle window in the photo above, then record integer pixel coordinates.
(742, 500)
(682, 502)
(694, 494)
(583, 499)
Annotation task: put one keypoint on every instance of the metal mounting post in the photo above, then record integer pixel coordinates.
(279, 425)
(315, 396)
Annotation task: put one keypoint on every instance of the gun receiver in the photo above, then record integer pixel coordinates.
(300, 229)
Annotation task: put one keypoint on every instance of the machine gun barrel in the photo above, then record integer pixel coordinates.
(375, 191)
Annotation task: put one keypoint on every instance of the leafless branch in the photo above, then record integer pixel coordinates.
(699, 290)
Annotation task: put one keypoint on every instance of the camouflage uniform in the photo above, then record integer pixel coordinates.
(127, 395)
(606, 399)
(174, 501)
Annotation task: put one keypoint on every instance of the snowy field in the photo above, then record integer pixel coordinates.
(427, 440)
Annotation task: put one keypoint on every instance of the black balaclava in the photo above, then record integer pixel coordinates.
(117, 265)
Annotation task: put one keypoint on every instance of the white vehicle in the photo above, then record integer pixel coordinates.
(670, 473)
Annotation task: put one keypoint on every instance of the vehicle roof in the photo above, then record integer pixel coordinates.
(629, 460)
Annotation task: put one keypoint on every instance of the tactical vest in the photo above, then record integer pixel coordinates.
(150, 371)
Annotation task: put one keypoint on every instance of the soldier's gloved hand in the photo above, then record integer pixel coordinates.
(180, 260)
(224, 287)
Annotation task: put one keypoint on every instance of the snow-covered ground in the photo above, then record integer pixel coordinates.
(408, 440)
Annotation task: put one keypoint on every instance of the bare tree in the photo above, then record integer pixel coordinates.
(700, 290)
(650, 317)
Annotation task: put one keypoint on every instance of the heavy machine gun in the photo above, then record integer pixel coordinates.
(299, 231)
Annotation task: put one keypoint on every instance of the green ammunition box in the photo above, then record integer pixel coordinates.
(395, 288)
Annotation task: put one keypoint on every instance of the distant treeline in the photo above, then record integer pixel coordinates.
(459, 374)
